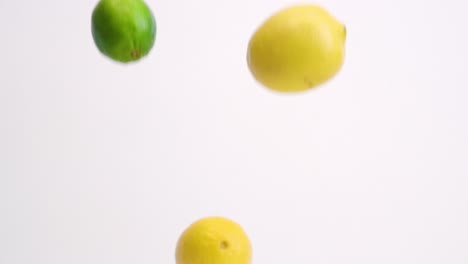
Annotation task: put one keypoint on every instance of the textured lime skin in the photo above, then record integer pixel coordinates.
(123, 30)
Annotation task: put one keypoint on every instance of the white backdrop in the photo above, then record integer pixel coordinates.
(106, 163)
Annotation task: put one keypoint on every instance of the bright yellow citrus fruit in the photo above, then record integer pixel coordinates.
(297, 48)
(214, 240)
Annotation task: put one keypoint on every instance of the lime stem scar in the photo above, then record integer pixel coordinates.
(135, 54)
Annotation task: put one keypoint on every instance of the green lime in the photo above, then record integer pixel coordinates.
(123, 30)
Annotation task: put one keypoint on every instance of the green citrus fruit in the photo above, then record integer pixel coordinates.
(297, 48)
(123, 30)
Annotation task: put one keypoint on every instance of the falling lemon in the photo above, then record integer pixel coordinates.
(123, 30)
(213, 240)
(297, 48)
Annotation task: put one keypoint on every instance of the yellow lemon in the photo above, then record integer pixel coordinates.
(297, 48)
(214, 240)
